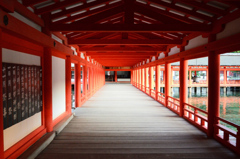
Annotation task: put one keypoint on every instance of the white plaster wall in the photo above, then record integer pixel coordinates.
(153, 58)
(58, 87)
(20, 130)
(230, 29)
(25, 20)
(161, 55)
(174, 50)
(15, 133)
(195, 42)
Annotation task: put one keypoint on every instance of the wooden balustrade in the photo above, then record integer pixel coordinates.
(153, 93)
(227, 136)
(196, 116)
(161, 98)
(173, 104)
(147, 90)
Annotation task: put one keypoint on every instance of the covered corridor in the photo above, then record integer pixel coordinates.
(121, 122)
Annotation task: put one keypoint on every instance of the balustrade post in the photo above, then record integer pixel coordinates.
(213, 88)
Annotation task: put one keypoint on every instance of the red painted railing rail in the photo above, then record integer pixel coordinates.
(173, 104)
(196, 116)
(161, 98)
(147, 90)
(227, 136)
(153, 93)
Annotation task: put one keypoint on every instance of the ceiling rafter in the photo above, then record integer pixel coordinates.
(57, 5)
(205, 7)
(85, 6)
(182, 10)
(32, 2)
(94, 15)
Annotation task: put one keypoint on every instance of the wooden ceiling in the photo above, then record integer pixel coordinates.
(126, 32)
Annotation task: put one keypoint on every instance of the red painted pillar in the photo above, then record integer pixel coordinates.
(140, 79)
(47, 62)
(85, 81)
(183, 85)
(145, 79)
(131, 77)
(225, 76)
(157, 73)
(150, 80)
(213, 88)
(167, 81)
(1, 104)
(78, 85)
(115, 75)
(68, 85)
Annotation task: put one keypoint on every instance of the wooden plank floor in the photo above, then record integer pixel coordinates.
(121, 122)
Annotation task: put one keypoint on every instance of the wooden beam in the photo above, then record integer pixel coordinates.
(31, 2)
(184, 28)
(85, 6)
(129, 49)
(95, 15)
(136, 56)
(124, 42)
(21, 9)
(122, 54)
(57, 5)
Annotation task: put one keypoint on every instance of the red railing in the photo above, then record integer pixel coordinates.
(161, 98)
(233, 81)
(227, 136)
(143, 88)
(173, 104)
(196, 116)
(153, 93)
(82, 97)
(147, 90)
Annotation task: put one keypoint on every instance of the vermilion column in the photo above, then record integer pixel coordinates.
(78, 85)
(115, 74)
(140, 79)
(131, 77)
(150, 79)
(145, 79)
(1, 103)
(167, 81)
(183, 84)
(225, 76)
(157, 73)
(47, 62)
(86, 81)
(68, 85)
(213, 88)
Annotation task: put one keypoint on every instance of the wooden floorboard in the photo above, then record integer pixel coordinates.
(121, 122)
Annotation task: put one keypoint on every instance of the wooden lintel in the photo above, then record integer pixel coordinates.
(124, 42)
(184, 28)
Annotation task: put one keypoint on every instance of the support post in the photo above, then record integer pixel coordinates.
(145, 79)
(115, 74)
(167, 81)
(213, 88)
(85, 82)
(157, 73)
(131, 77)
(1, 104)
(78, 85)
(150, 80)
(47, 62)
(183, 85)
(68, 85)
